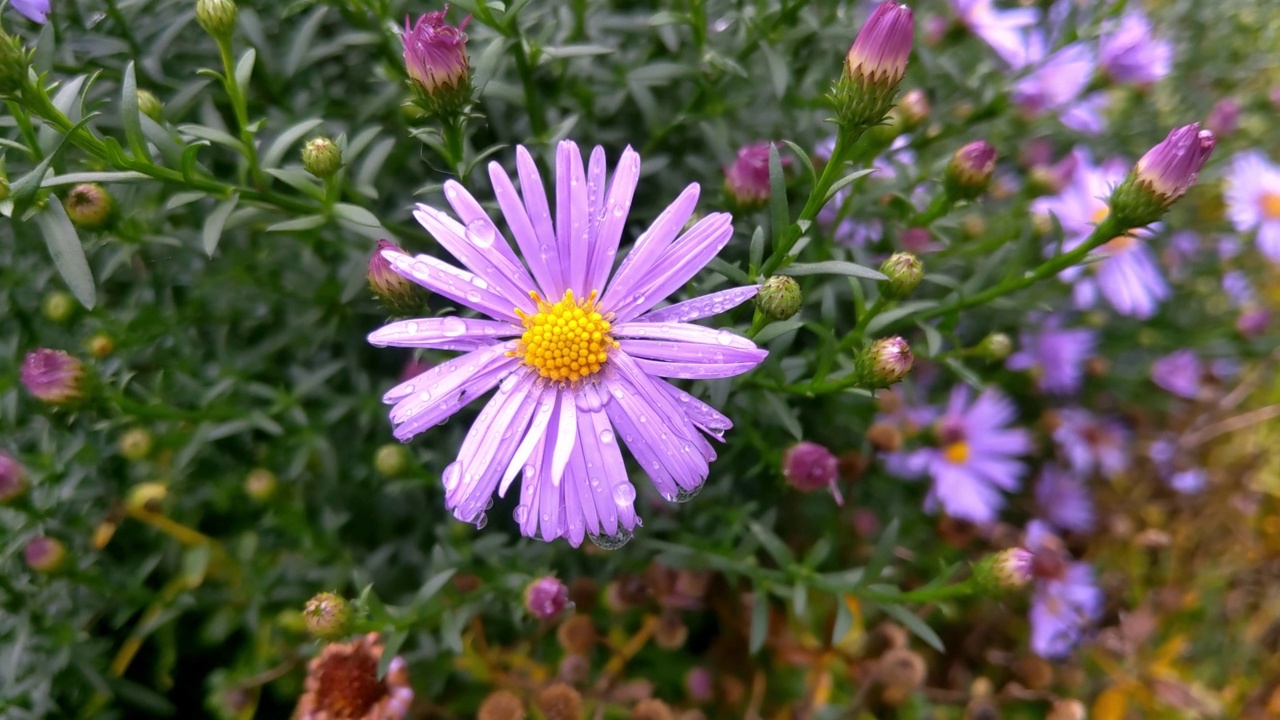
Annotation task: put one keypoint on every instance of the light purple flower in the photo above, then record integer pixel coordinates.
(1057, 82)
(1189, 482)
(1179, 372)
(1130, 53)
(1004, 30)
(1253, 322)
(53, 376)
(746, 181)
(1066, 599)
(34, 10)
(1090, 443)
(1253, 199)
(808, 466)
(1224, 117)
(1238, 288)
(1064, 499)
(975, 456)
(1055, 355)
(560, 415)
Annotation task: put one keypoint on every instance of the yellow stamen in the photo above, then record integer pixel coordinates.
(566, 341)
(956, 453)
(1270, 203)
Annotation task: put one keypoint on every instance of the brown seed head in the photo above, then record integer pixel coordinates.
(501, 705)
(558, 701)
(902, 668)
(653, 709)
(577, 634)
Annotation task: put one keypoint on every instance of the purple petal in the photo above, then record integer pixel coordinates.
(459, 286)
(489, 445)
(702, 307)
(473, 247)
(571, 216)
(694, 371)
(34, 10)
(443, 333)
(649, 248)
(702, 415)
(579, 508)
(470, 211)
(522, 228)
(606, 472)
(452, 385)
(615, 210)
(539, 213)
(681, 262)
(532, 440)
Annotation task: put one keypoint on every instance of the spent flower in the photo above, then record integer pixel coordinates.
(1066, 599)
(342, 682)
(435, 58)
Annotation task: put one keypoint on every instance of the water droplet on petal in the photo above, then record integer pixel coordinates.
(482, 521)
(624, 494)
(473, 296)
(450, 476)
(606, 437)
(453, 326)
(481, 233)
(520, 514)
(612, 542)
(684, 496)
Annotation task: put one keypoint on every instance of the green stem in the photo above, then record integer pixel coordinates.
(940, 206)
(533, 104)
(241, 110)
(860, 329)
(758, 323)
(455, 139)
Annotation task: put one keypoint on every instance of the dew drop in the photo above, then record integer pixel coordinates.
(378, 343)
(624, 494)
(606, 437)
(481, 233)
(611, 542)
(684, 496)
(508, 382)
(619, 210)
(725, 337)
(450, 476)
(473, 296)
(453, 326)
(482, 521)
(520, 514)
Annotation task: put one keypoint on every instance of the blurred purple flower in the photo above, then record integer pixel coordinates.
(1253, 322)
(1224, 117)
(1179, 372)
(1189, 482)
(1253, 199)
(34, 10)
(1229, 247)
(747, 180)
(1066, 599)
(1130, 53)
(546, 597)
(1238, 288)
(808, 466)
(1090, 443)
(975, 456)
(1055, 355)
(1004, 30)
(1086, 114)
(1057, 82)
(53, 376)
(1064, 499)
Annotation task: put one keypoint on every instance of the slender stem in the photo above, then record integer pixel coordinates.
(758, 323)
(533, 103)
(455, 139)
(864, 320)
(940, 206)
(241, 110)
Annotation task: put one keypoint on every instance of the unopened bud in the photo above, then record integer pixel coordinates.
(217, 17)
(1006, 571)
(1162, 176)
(808, 466)
(501, 705)
(970, 170)
(101, 346)
(886, 361)
(746, 181)
(53, 377)
(391, 460)
(874, 66)
(905, 272)
(399, 295)
(321, 157)
(150, 105)
(14, 61)
(58, 307)
(995, 347)
(913, 109)
(328, 616)
(13, 479)
(779, 298)
(546, 597)
(135, 444)
(435, 58)
(146, 497)
(260, 484)
(44, 554)
(89, 206)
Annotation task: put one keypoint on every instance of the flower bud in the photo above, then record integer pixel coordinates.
(14, 61)
(89, 206)
(435, 58)
(1223, 118)
(905, 272)
(135, 444)
(13, 479)
(327, 615)
(546, 597)
(885, 437)
(321, 157)
(217, 17)
(53, 377)
(150, 105)
(399, 295)
(146, 497)
(995, 347)
(874, 66)
(260, 484)
(560, 702)
(501, 705)
(1005, 571)
(44, 554)
(901, 668)
(779, 298)
(886, 361)
(58, 307)
(970, 170)
(1162, 176)
(101, 346)
(913, 109)
(808, 466)
(746, 181)
(391, 460)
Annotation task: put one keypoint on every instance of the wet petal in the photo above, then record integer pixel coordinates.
(458, 285)
(677, 266)
(473, 247)
(616, 208)
(649, 248)
(443, 333)
(701, 307)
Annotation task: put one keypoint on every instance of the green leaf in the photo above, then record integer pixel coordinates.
(842, 182)
(833, 267)
(778, 410)
(23, 190)
(93, 177)
(773, 544)
(932, 338)
(575, 51)
(918, 627)
(302, 224)
(733, 272)
(390, 648)
(883, 553)
(195, 564)
(843, 623)
(212, 232)
(300, 180)
(433, 585)
(759, 619)
(969, 376)
(357, 215)
(799, 599)
(129, 114)
(303, 41)
(804, 158)
(487, 64)
(275, 153)
(244, 68)
(67, 252)
(164, 141)
(906, 309)
(779, 212)
(213, 135)
(779, 72)
(777, 330)
(757, 251)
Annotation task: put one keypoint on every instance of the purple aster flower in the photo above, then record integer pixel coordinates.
(578, 359)
(1189, 482)
(1127, 276)
(1086, 114)
(1066, 599)
(34, 10)
(1237, 287)
(974, 458)
(1057, 82)
(1055, 355)
(1253, 199)
(1179, 372)
(53, 376)
(746, 181)
(1130, 53)
(808, 466)
(1004, 30)
(1064, 500)
(1253, 322)
(1224, 117)
(1090, 443)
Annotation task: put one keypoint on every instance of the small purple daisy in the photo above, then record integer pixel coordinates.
(1130, 52)
(1066, 599)
(1064, 499)
(1055, 355)
(1004, 30)
(1092, 444)
(1179, 372)
(1253, 199)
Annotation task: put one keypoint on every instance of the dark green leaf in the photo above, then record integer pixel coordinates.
(756, 255)
(777, 330)
(842, 182)
(759, 619)
(832, 267)
(213, 225)
(67, 252)
(773, 545)
(129, 114)
(883, 553)
(918, 627)
(843, 623)
(779, 212)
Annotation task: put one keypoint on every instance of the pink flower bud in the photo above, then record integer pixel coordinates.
(53, 376)
(546, 597)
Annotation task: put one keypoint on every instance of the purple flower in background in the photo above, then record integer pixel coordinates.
(1237, 287)
(53, 376)
(546, 597)
(1253, 322)
(1179, 372)
(34, 10)
(1090, 443)
(1189, 482)
(1057, 82)
(1004, 30)
(746, 181)
(1086, 114)
(1224, 117)
(1253, 199)
(808, 466)
(1064, 500)
(1066, 599)
(578, 359)
(1055, 355)
(975, 456)
(1130, 53)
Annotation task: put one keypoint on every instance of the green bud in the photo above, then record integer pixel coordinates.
(779, 298)
(970, 170)
(89, 206)
(135, 444)
(217, 17)
(391, 460)
(327, 615)
(1003, 572)
(150, 105)
(58, 307)
(321, 157)
(14, 61)
(905, 272)
(260, 484)
(885, 362)
(995, 347)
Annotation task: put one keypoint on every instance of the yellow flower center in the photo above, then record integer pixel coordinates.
(956, 453)
(566, 341)
(1101, 213)
(1270, 203)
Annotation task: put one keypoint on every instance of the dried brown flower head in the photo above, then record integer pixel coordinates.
(560, 702)
(342, 684)
(902, 668)
(653, 709)
(501, 705)
(577, 634)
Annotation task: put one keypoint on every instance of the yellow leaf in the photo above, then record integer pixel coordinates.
(1111, 704)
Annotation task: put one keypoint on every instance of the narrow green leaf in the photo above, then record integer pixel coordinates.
(733, 272)
(357, 215)
(773, 544)
(799, 599)
(244, 68)
(759, 619)
(932, 339)
(93, 177)
(576, 51)
(779, 212)
(129, 114)
(212, 233)
(779, 71)
(433, 585)
(195, 563)
(906, 309)
(842, 182)
(757, 251)
(833, 267)
(302, 224)
(777, 330)
(303, 41)
(778, 410)
(843, 623)
(276, 152)
(965, 373)
(300, 180)
(918, 627)
(213, 135)
(163, 139)
(487, 64)
(23, 190)
(804, 159)
(67, 252)
(883, 553)
(390, 649)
